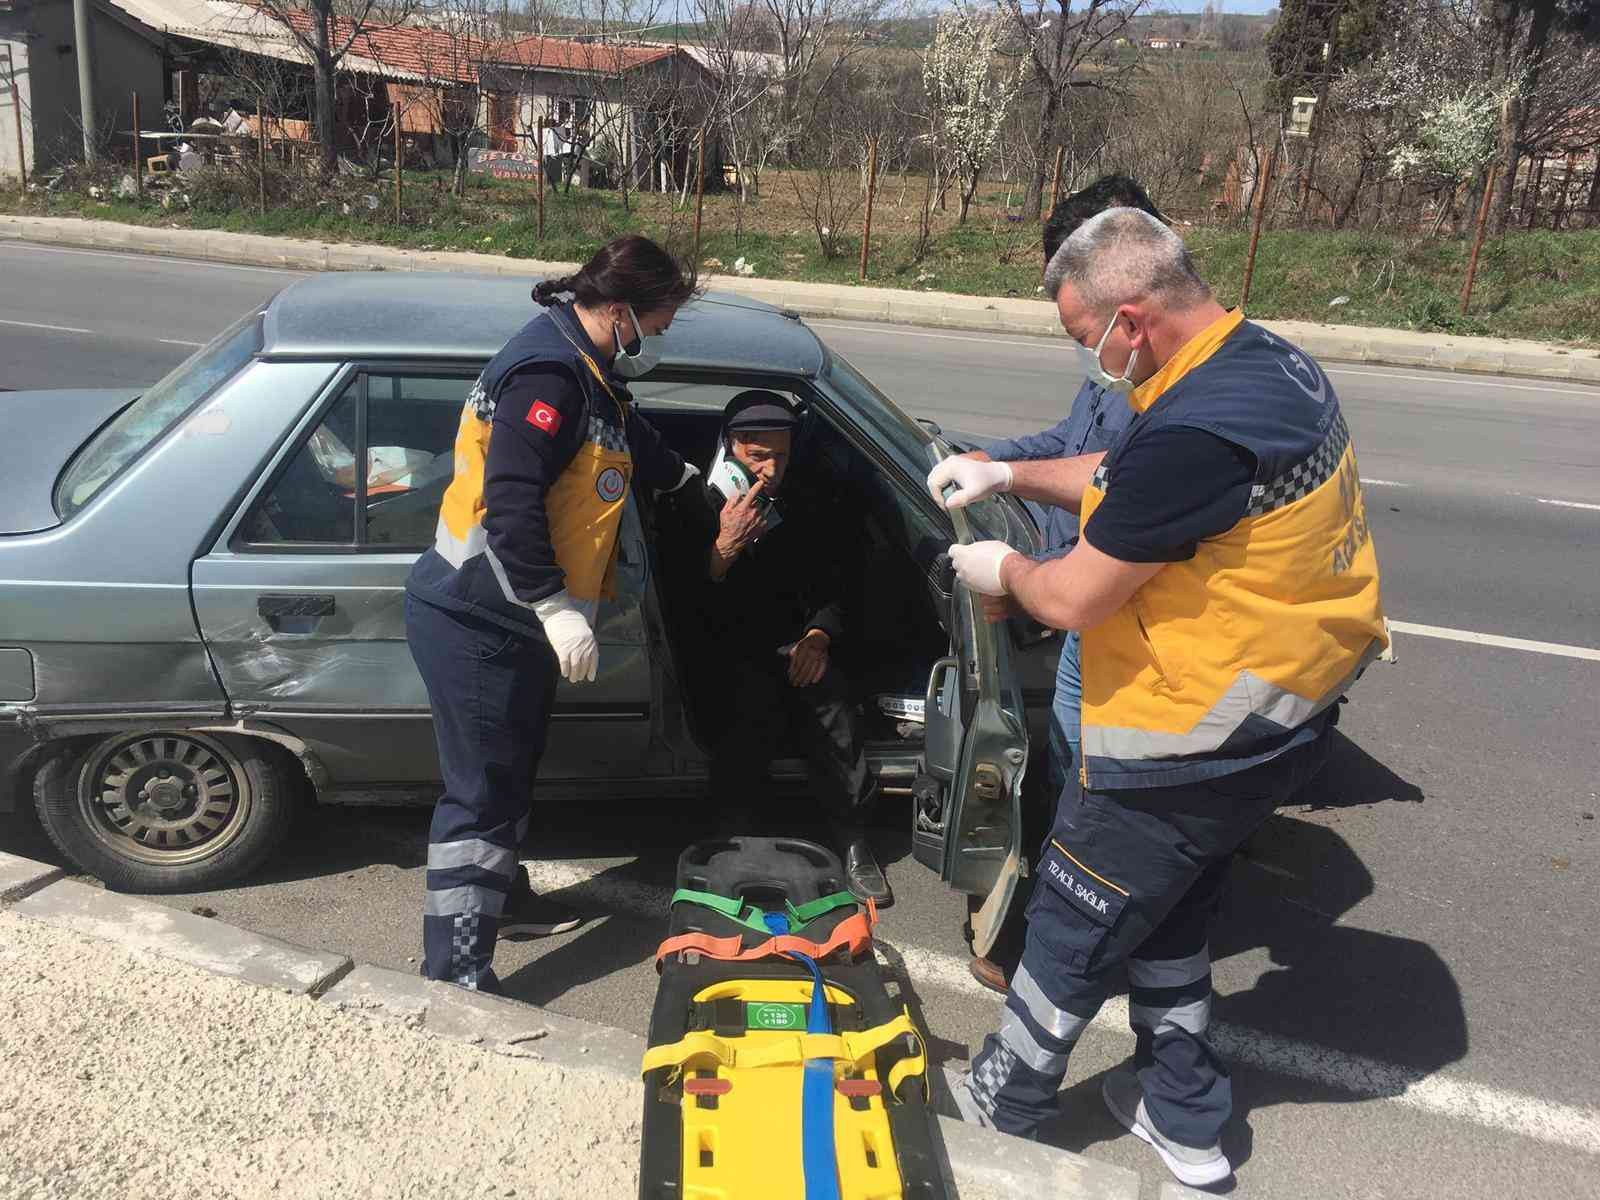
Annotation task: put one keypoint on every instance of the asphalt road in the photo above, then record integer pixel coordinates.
(1407, 966)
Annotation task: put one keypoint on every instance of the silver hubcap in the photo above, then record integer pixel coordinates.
(165, 799)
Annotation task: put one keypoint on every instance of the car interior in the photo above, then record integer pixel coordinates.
(894, 632)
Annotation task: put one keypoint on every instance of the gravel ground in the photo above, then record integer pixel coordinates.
(125, 1075)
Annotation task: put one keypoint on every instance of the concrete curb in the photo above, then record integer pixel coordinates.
(981, 1162)
(21, 877)
(199, 941)
(944, 310)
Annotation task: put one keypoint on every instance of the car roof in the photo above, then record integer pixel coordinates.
(422, 315)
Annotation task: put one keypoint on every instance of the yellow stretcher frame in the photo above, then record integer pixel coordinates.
(748, 1146)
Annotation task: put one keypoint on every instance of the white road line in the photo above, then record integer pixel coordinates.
(1569, 503)
(1494, 639)
(1051, 342)
(1441, 1095)
(1383, 483)
(178, 342)
(176, 259)
(41, 325)
(1454, 378)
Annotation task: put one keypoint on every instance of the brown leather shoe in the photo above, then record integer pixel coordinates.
(988, 974)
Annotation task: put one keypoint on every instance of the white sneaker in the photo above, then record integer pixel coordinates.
(1125, 1098)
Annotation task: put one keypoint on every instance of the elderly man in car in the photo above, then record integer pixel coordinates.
(770, 603)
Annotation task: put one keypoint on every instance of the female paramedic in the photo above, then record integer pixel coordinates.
(525, 550)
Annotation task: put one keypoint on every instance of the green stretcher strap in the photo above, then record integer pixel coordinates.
(812, 909)
(752, 917)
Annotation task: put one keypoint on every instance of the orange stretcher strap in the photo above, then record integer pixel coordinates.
(854, 932)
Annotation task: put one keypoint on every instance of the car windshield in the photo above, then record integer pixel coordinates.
(915, 450)
(147, 419)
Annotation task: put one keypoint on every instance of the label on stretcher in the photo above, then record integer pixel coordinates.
(774, 1015)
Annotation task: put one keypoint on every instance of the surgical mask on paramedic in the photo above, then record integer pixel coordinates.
(640, 360)
(1098, 375)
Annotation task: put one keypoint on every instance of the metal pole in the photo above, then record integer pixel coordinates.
(872, 191)
(699, 191)
(1477, 241)
(1055, 185)
(1262, 185)
(261, 156)
(83, 37)
(397, 165)
(541, 178)
(138, 156)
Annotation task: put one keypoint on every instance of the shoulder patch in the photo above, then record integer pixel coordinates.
(545, 417)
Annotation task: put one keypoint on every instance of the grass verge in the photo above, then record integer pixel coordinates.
(1539, 285)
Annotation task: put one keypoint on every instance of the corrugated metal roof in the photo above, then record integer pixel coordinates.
(405, 52)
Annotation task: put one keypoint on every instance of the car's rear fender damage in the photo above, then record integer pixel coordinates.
(45, 736)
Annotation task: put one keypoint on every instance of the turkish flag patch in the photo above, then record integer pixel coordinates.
(542, 416)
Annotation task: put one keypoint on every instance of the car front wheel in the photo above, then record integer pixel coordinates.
(166, 811)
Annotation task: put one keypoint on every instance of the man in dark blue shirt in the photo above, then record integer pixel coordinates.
(1093, 424)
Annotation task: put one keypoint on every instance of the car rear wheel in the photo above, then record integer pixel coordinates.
(168, 810)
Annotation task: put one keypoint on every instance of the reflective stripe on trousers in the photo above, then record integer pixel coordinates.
(491, 692)
(1130, 878)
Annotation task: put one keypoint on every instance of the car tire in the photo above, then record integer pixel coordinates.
(167, 810)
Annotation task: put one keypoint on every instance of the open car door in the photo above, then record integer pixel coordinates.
(967, 821)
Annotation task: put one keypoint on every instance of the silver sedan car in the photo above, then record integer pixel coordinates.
(201, 590)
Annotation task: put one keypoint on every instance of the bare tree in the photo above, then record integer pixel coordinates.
(325, 30)
(1066, 50)
(454, 52)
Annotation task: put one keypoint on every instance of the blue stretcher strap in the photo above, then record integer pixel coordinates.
(819, 1155)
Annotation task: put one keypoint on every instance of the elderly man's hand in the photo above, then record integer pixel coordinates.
(999, 609)
(742, 522)
(808, 658)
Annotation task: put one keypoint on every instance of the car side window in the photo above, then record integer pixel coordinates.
(400, 429)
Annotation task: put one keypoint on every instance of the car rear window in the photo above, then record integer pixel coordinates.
(144, 422)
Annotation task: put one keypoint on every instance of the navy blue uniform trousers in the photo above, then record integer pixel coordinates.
(491, 691)
(1131, 877)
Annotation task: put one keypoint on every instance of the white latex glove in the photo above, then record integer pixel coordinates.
(570, 637)
(973, 478)
(978, 566)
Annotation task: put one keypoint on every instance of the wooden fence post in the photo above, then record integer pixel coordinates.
(1263, 185)
(138, 151)
(541, 179)
(16, 108)
(872, 191)
(1561, 196)
(261, 156)
(1477, 240)
(1532, 193)
(1055, 184)
(398, 167)
(699, 190)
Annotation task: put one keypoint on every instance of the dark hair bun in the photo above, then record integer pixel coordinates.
(627, 270)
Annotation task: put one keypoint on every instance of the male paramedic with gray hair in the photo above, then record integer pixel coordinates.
(1226, 590)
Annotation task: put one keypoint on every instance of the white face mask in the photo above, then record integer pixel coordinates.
(1098, 375)
(641, 360)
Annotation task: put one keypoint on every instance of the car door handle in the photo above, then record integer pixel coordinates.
(276, 607)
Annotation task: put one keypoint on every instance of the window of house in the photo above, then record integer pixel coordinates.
(373, 471)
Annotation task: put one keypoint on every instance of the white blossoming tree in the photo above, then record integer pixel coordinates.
(1427, 113)
(969, 93)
